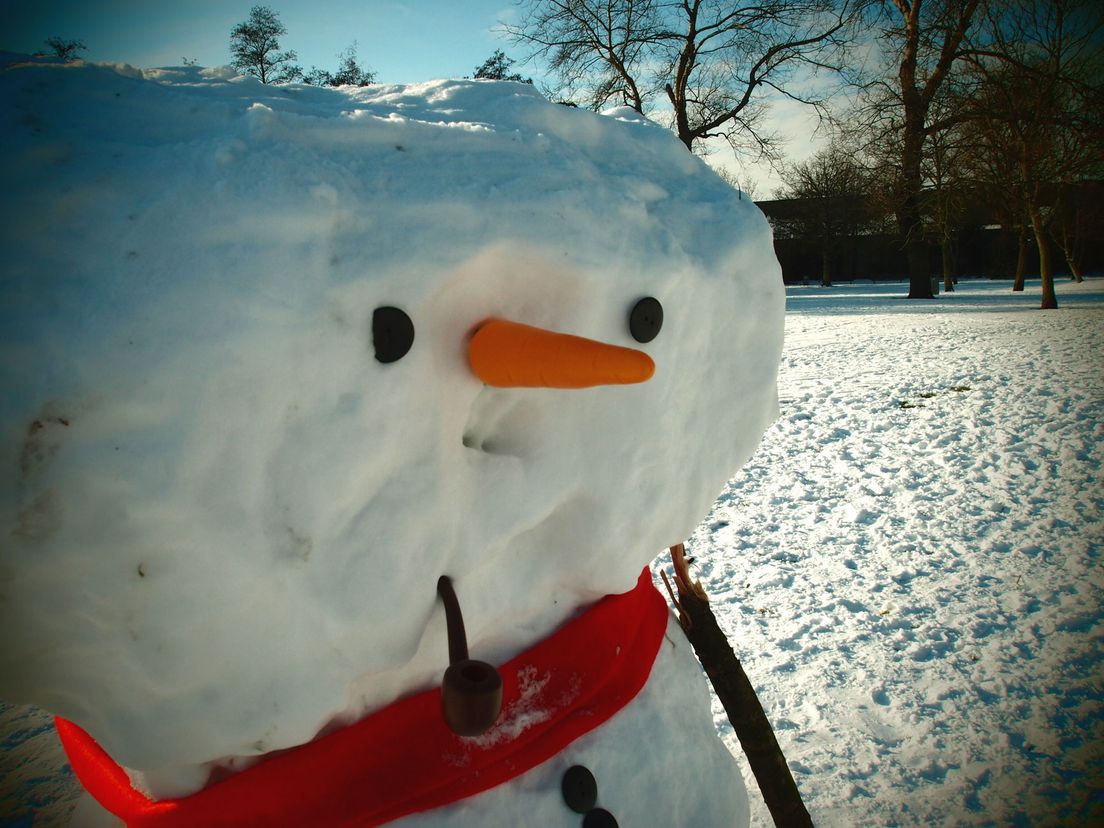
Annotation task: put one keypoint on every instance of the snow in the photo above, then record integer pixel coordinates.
(223, 518)
(909, 566)
(914, 592)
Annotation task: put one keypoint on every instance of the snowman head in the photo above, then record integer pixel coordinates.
(301, 358)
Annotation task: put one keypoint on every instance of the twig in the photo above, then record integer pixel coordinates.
(684, 619)
(733, 688)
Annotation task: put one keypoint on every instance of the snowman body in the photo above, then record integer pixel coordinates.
(230, 488)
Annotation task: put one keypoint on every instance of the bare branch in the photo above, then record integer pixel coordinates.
(712, 60)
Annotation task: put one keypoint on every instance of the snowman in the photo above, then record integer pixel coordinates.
(339, 429)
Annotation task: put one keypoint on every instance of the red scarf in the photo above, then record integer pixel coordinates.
(403, 759)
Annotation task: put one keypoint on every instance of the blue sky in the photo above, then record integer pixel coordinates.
(401, 41)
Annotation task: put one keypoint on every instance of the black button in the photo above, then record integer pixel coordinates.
(645, 319)
(392, 334)
(599, 818)
(580, 790)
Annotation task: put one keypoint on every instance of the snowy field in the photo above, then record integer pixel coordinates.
(908, 567)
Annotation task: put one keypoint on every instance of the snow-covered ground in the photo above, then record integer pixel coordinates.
(908, 567)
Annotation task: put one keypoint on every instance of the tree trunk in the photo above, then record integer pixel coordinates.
(1071, 258)
(825, 268)
(1050, 300)
(752, 727)
(1075, 269)
(1021, 259)
(916, 255)
(909, 222)
(948, 275)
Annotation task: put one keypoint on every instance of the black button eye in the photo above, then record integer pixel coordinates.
(645, 319)
(392, 334)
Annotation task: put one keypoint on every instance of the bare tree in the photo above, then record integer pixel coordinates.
(726, 54)
(713, 62)
(1078, 212)
(831, 192)
(349, 72)
(65, 49)
(497, 67)
(920, 42)
(598, 49)
(741, 180)
(947, 171)
(1041, 105)
(255, 47)
(1017, 76)
(993, 164)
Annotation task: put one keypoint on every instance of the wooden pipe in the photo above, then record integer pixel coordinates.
(471, 693)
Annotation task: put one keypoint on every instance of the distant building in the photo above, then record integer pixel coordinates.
(984, 242)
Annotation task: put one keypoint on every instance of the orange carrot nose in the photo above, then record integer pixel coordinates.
(510, 355)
